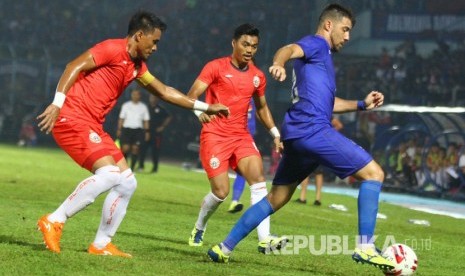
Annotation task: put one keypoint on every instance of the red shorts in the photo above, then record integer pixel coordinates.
(84, 142)
(218, 155)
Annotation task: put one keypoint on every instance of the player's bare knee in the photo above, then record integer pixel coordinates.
(220, 188)
(221, 194)
(277, 202)
(380, 176)
(377, 172)
(372, 171)
(276, 205)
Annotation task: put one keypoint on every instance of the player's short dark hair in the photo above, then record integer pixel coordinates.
(336, 11)
(145, 21)
(246, 29)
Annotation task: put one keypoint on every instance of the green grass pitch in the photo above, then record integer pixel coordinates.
(161, 216)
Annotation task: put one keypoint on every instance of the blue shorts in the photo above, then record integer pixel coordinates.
(326, 147)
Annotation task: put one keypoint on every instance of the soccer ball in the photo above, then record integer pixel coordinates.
(404, 259)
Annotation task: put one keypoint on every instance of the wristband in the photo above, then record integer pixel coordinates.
(59, 99)
(201, 106)
(361, 105)
(275, 132)
(197, 113)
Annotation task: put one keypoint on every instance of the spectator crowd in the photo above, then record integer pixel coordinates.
(40, 37)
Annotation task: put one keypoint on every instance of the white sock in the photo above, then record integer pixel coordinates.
(114, 208)
(257, 192)
(209, 205)
(225, 250)
(365, 246)
(85, 193)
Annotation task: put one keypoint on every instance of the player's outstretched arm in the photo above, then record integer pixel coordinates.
(374, 99)
(173, 96)
(283, 55)
(84, 62)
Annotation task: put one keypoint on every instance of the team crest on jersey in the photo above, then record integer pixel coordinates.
(256, 81)
(214, 163)
(94, 138)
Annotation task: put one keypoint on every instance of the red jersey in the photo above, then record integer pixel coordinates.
(234, 88)
(95, 93)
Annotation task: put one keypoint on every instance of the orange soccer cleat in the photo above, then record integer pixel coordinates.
(110, 249)
(51, 232)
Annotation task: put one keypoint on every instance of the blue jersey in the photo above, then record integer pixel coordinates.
(313, 90)
(308, 136)
(251, 123)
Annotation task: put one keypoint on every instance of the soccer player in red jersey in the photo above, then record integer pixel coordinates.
(87, 90)
(226, 142)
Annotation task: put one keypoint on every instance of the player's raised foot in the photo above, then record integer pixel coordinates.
(216, 255)
(196, 238)
(51, 232)
(372, 257)
(109, 250)
(271, 244)
(235, 207)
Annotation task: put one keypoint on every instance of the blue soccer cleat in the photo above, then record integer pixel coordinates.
(196, 238)
(215, 254)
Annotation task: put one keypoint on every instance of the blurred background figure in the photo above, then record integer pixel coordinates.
(27, 134)
(160, 118)
(133, 126)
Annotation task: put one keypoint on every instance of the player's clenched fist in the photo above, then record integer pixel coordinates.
(374, 99)
(277, 72)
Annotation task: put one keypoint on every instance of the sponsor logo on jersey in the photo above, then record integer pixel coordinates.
(214, 163)
(256, 81)
(228, 75)
(94, 138)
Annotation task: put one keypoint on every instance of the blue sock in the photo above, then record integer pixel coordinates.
(368, 197)
(238, 187)
(248, 222)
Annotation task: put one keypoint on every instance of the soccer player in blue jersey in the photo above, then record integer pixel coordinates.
(310, 140)
(239, 182)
